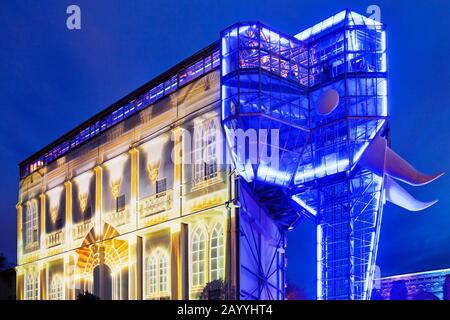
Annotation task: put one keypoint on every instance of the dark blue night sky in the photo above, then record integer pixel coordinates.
(52, 79)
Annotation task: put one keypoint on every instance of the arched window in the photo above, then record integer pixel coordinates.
(31, 223)
(205, 150)
(211, 150)
(216, 250)
(31, 287)
(157, 275)
(150, 276)
(198, 154)
(198, 258)
(163, 274)
(56, 289)
(29, 283)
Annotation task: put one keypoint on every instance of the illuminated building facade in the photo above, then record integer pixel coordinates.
(149, 200)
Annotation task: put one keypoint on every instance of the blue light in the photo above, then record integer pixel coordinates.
(257, 93)
(302, 203)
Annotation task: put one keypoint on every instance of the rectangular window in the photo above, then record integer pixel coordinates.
(120, 203)
(87, 213)
(59, 223)
(161, 185)
(210, 169)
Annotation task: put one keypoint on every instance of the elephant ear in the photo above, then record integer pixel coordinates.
(383, 161)
(327, 102)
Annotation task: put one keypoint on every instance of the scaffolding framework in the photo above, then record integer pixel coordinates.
(347, 236)
(270, 82)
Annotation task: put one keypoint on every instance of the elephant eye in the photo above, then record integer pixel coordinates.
(327, 102)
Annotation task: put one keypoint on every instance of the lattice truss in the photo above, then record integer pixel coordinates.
(261, 253)
(347, 236)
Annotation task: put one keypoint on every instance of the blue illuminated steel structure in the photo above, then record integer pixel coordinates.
(269, 81)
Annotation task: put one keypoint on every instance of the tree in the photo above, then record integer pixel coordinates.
(216, 290)
(295, 293)
(2, 261)
(86, 296)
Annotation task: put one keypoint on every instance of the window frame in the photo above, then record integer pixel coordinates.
(163, 274)
(31, 223)
(56, 289)
(198, 168)
(151, 275)
(31, 286)
(217, 234)
(198, 276)
(121, 206)
(159, 182)
(206, 150)
(157, 274)
(211, 150)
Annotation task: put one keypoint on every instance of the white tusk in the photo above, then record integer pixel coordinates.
(400, 169)
(399, 196)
